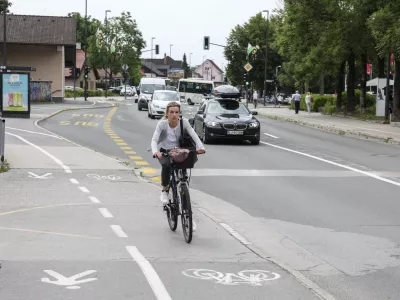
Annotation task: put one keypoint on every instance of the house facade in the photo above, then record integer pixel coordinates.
(45, 43)
(209, 70)
(165, 67)
(79, 80)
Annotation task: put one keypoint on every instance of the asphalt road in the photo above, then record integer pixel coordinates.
(326, 205)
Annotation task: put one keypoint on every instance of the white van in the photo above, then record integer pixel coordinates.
(147, 87)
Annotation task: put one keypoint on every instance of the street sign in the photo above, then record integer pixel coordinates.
(125, 67)
(248, 67)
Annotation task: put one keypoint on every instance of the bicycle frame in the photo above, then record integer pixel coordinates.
(178, 178)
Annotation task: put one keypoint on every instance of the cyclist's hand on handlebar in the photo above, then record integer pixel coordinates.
(158, 154)
(201, 151)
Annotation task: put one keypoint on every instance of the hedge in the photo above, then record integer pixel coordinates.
(91, 93)
(327, 101)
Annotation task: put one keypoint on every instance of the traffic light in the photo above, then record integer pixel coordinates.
(87, 72)
(206, 43)
(157, 49)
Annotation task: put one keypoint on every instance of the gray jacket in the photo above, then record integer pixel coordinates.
(160, 134)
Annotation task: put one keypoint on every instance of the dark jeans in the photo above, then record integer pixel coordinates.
(165, 170)
(297, 106)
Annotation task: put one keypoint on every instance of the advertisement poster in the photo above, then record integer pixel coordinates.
(175, 73)
(15, 92)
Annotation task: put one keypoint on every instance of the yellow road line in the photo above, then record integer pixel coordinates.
(149, 171)
(122, 144)
(119, 141)
(156, 179)
(130, 152)
(52, 233)
(136, 157)
(127, 148)
(142, 163)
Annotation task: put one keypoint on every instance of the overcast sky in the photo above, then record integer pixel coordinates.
(182, 23)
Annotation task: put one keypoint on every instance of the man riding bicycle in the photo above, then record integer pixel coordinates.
(166, 137)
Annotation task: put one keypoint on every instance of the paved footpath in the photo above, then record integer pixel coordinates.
(75, 224)
(341, 125)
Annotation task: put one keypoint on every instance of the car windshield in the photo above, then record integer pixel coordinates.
(150, 88)
(165, 96)
(228, 108)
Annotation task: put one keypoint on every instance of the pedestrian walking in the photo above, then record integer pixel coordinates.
(255, 99)
(308, 102)
(296, 98)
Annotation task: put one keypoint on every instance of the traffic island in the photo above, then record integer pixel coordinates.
(4, 167)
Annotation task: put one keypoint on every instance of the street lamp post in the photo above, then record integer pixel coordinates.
(190, 60)
(107, 11)
(203, 65)
(170, 51)
(266, 57)
(153, 38)
(5, 34)
(86, 45)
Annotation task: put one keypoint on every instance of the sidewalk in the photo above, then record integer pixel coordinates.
(352, 127)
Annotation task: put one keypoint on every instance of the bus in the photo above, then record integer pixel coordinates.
(193, 90)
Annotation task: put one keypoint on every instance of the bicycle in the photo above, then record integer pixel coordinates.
(179, 196)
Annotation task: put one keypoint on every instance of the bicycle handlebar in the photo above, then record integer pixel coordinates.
(165, 153)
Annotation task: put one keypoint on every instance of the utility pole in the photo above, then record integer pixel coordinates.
(153, 38)
(86, 45)
(5, 34)
(107, 50)
(387, 92)
(266, 57)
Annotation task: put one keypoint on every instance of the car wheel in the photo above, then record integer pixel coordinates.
(139, 107)
(206, 137)
(136, 100)
(255, 142)
(148, 114)
(189, 102)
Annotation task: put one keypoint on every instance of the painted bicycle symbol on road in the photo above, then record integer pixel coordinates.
(251, 277)
(104, 177)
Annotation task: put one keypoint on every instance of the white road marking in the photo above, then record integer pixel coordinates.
(105, 213)
(118, 231)
(369, 174)
(275, 137)
(152, 277)
(235, 234)
(35, 132)
(83, 189)
(56, 160)
(74, 181)
(94, 199)
(68, 282)
(33, 175)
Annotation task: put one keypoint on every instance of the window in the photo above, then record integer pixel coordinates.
(202, 88)
(150, 88)
(165, 96)
(186, 87)
(227, 107)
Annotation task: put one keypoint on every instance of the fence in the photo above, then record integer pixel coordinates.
(2, 138)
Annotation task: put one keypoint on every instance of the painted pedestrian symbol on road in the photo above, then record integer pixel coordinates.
(251, 277)
(33, 175)
(69, 282)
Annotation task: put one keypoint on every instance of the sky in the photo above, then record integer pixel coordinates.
(182, 23)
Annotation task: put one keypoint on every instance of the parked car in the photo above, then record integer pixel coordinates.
(222, 118)
(130, 91)
(147, 88)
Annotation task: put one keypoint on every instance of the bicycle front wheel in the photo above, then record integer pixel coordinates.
(172, 211)
(186, 217)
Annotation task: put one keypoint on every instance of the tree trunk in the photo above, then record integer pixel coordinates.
(381, 67)
(340, 86)
(396, 96)
(351, 82)
(322, 83)
(363, 94)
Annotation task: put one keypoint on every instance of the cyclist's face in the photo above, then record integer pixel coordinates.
(173, 113)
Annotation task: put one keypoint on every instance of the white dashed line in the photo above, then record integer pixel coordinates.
(94, 199)
(118, 231)
(105, 213)
(83, 189)
(235, 234)
(74, 181)
(275, 137)
(152, 277)
(369, 174)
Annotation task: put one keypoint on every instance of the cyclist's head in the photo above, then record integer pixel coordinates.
(172, 111)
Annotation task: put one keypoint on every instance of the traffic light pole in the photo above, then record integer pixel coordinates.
(86, 45)
(125, 75)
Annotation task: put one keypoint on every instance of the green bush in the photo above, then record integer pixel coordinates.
(369, 101)
(91, 93)
(319, 101)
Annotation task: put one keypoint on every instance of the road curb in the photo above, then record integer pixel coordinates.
(358, 135)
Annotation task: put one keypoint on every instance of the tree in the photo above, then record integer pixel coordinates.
(117, 43)
(5, 5)
(92, 25)
(253, 33)
(384, 25)
(185, 66)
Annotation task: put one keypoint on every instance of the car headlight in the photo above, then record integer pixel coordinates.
(156, 106)
(254, 125)
(213, 124)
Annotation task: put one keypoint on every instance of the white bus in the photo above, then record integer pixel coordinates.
(193, 90)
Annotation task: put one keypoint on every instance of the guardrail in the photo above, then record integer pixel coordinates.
(2, 138)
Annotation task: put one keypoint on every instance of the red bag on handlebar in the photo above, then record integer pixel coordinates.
(179, 155)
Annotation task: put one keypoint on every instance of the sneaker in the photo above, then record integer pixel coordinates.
(194, 226)
(164, 197)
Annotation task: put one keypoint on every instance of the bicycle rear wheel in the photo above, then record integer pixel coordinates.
(186, 217)
(172, 210)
